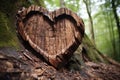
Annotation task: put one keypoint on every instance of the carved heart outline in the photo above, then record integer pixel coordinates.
(56, 59)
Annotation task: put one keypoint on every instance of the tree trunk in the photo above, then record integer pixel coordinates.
(116, 19)
(116, 16)
(62, 3)
(88, 8)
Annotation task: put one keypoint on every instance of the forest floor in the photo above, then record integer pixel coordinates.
(22, 65)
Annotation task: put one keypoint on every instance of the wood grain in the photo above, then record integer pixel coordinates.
(55, 35)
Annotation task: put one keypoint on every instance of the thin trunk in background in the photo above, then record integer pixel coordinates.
(88, 8)
(112, 35)
(114, 6)
(110, 24)
(62, 3)
(116, 16)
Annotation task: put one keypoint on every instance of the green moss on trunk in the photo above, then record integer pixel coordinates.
(8, 9)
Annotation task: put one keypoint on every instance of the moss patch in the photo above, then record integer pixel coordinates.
(7, 36)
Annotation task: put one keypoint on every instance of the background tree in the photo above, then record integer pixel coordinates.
(115, 4)
(62, 3)
(111, 37)
(88, 8)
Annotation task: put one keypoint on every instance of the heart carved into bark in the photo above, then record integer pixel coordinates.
(54, 35)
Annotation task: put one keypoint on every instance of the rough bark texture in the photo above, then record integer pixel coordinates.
(55, 35)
